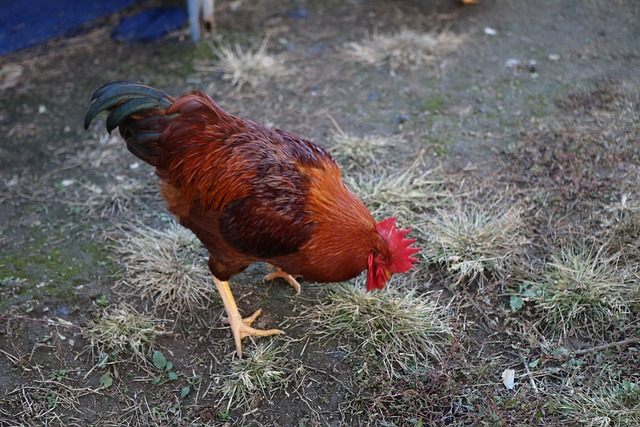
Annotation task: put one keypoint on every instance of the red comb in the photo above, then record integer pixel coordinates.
(401, 259)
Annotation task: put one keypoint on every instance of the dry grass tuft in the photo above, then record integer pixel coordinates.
(114, 198)
(258, 375)
(471, 242)
(43, 402)
(620, 229)
(121, 334)
(360, 153)
(102, 151)
(254, 67)
(405, 49)
(168, 266)
(402, 329)
(581, 290)
(406, 194)
(116, 191)
(613, 407)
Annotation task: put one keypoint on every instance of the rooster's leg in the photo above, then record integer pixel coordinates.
(241, 327)
(281, 274)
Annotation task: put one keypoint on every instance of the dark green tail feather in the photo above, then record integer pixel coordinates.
(134, 87)
(107, 86)
(102, 104)
(114, 95)
(130, 107)
(124, 99)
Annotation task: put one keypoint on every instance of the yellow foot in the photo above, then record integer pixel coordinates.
(282, 275)
(469, 1)
(240, 327)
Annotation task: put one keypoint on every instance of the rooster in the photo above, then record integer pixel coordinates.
(252, 194)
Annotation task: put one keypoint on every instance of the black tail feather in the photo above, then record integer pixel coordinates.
(130, 107)
(139, 112)
(102, 89)
(100, 105)
(115, 94)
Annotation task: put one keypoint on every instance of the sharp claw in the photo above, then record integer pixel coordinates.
(281, 274)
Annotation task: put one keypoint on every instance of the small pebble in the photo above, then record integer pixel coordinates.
(298, 13)
(490, 31)
(512, 63)
(12, 182)
(61, 311)
(402, 118)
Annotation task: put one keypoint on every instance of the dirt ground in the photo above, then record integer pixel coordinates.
(537, 107)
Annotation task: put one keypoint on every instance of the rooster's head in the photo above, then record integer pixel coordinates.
(398, 258)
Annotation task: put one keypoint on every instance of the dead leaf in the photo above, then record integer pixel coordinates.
(11, 74)
(508, 378)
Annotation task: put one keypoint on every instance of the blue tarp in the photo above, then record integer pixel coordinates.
(26, 22)
(150, 24)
